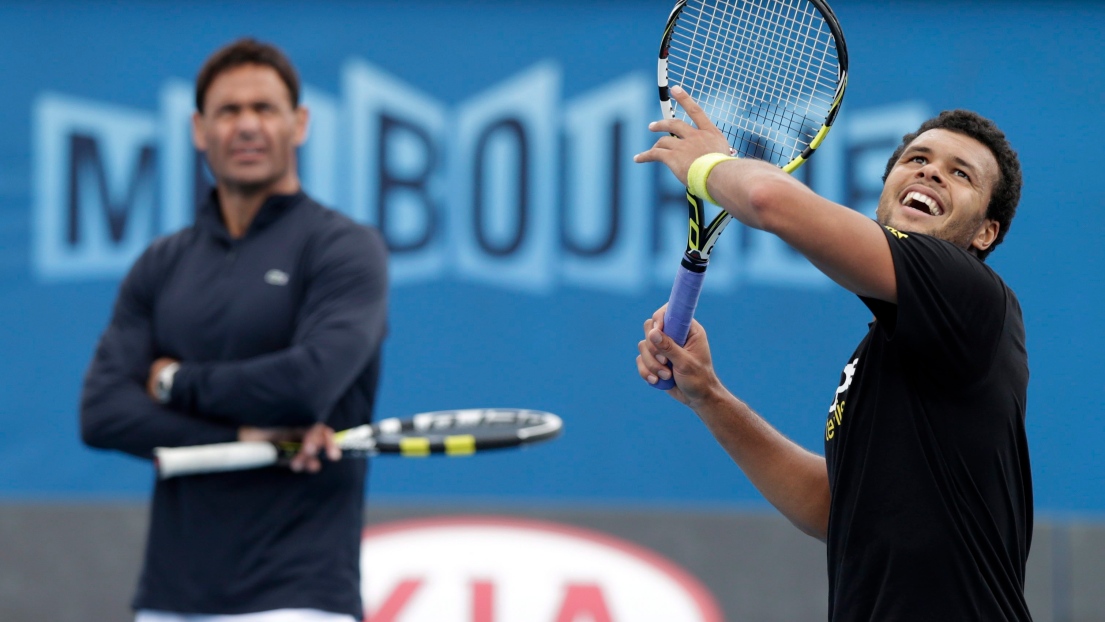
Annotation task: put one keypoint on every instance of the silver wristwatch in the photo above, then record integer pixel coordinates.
(163, 387)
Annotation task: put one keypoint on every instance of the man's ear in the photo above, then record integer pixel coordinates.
(987, 233)
(198, 139)
(302, 121)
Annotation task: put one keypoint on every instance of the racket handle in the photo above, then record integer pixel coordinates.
(174, 461)
(680, 311)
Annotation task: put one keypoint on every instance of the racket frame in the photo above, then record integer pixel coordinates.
(448, 432)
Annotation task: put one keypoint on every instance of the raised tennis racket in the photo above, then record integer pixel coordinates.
(448, 432)
(771, 75)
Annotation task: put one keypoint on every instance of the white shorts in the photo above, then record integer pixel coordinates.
(276, 615)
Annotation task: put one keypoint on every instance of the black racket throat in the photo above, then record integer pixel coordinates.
(701, 237)
(694, 264)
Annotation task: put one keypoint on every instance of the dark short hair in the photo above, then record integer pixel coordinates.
(1007, 192)
(247, 51)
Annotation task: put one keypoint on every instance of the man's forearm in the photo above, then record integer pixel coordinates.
(850, 248)
(791, 478)
(117, 414)
(289, 388)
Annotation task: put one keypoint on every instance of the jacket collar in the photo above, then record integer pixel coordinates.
(209, 217)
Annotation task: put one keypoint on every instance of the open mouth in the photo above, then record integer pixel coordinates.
(922, 203)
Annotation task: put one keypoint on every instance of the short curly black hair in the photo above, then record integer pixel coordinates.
(1007, 192)
(246, 51)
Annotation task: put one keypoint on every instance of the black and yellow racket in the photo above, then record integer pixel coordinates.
(771, 75)
(447, 432)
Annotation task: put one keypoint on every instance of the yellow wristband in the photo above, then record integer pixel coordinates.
(700, 171)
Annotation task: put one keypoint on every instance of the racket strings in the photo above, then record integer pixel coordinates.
(764, 85)
(778, 43)
(766, 73)
(769, 88)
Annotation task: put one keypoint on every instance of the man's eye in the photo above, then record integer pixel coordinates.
(962, 174)
(918, 159)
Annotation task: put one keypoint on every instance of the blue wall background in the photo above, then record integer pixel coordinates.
(461, 339)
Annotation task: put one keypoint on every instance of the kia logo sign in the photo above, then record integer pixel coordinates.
(483, 569)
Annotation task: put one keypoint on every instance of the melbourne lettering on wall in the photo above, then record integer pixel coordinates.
(514, 187)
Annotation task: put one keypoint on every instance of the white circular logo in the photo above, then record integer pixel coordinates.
(483, 569)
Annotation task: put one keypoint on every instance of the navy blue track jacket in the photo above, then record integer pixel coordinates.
(281, 327)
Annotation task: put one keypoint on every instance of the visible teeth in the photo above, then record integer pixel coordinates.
(924, 200)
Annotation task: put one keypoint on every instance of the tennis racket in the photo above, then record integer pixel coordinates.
(448, 432)
(771, 75)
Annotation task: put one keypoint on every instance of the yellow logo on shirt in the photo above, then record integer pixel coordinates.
(836, 411)
(896, 233)
(836, 417)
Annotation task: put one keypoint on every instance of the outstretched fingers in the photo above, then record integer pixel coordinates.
(663, 150)
(676, 128)
(693, 110)
(684, 142)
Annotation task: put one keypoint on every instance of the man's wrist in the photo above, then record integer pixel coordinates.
(712, 397)
(247, 434)
(163, 385)
(699, 173)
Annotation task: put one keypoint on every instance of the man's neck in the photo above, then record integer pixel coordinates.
(239, 206)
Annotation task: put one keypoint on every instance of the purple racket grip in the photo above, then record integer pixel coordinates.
(680, 311)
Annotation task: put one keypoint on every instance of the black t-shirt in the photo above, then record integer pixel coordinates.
(931, 515)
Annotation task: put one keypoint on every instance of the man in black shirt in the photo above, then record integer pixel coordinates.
(924, 496)
(261, 321)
